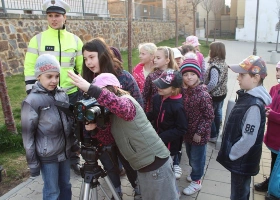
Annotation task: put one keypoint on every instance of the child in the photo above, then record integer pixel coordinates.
(199, 111)
(271, 138)
(178, 56)
(168, 116)
(48, 142)
(134, 135)
(241, 147)
(216, 78)
(141, 70)
(193, 40)
(98, 59)
(164, 59)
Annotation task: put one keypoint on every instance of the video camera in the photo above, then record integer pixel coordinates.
(90, 111)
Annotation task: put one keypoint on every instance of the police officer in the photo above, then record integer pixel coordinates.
(65, 46)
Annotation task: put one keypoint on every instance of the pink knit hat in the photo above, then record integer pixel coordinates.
(104, 79)
(190, 65)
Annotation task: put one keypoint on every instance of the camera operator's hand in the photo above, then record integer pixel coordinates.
(79, 81)
(91, 126)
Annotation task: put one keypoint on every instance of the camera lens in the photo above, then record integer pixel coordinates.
(92, 112)
(80, 116)
(80, 108)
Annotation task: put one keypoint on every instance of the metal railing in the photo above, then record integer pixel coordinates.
(101, 8)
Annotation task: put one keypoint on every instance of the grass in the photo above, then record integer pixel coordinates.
(12, 155)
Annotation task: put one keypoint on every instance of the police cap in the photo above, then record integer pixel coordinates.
(56, 6)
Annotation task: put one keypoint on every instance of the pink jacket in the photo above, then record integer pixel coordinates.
(201, 62)
(272, 135)
(138, 74)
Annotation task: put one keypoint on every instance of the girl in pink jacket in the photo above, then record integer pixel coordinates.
(146, 65)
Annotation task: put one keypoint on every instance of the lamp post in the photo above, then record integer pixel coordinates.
(278, 27)
(256, 29)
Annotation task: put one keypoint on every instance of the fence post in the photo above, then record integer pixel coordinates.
(3, 6)
(83, 7)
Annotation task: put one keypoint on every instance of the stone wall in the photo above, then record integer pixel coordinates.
(16, 30)
(185, 15)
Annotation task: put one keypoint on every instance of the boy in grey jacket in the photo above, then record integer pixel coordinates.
(46, 131)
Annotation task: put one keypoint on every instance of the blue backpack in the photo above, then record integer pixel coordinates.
(274, 180)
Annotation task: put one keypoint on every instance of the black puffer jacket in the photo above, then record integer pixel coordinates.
(169, 120)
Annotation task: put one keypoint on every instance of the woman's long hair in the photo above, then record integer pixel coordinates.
(107, 61)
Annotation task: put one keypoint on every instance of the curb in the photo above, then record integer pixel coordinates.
(17, 188)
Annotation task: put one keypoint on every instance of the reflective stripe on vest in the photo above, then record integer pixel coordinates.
(72, 55)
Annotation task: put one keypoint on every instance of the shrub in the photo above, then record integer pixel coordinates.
(10, 141)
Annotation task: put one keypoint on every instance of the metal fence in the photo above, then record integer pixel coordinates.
(101, 8)
(221, 28)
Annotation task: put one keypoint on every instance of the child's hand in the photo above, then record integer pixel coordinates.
(91, 126)
(196, 138)
(267, 111)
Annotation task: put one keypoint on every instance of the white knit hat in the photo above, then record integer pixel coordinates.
(46, 63)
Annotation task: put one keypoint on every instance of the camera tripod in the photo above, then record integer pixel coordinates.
(91, 172)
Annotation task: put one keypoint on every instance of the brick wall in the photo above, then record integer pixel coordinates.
(16, 30)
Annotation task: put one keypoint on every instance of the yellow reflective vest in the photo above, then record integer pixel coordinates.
(65, 46)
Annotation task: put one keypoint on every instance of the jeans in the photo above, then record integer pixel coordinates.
(218, 112)
(110, 163)
(159, 184)
(240, 187)
(197, 157)
(56, 177)
(177, 158)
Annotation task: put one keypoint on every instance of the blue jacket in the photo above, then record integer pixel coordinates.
(169, 120)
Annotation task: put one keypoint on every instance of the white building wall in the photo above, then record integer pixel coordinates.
(268, 18)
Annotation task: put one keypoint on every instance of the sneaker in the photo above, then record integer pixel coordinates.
(263, 186)
(76, 168)
(193, 188)
(178, 171)
(189, 178)
(213, 140)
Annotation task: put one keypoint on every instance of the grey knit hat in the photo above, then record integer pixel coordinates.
(46, 63)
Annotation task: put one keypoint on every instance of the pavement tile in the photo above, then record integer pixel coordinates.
(216, 188)
(217, 175)
(203, 196)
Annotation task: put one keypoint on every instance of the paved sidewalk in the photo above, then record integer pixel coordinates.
(216, 181)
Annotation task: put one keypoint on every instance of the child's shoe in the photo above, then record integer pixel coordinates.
(193, 188)
(178, 171)
(189, 178)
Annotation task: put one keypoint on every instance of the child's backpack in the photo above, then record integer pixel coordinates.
(274, 180)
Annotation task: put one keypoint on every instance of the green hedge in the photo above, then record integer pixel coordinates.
(10, 141)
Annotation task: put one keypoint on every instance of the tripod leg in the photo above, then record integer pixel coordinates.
(86, 191)
(112, 189)
(94, 193)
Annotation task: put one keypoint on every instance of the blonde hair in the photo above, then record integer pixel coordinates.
(169, 55)
(176, 91)
(149, 47)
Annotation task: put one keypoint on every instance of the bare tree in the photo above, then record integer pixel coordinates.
(6, 106)
(207, 5)
(194, 5)
(216, 8)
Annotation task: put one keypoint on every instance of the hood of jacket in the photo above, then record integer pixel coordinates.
(261, 93)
